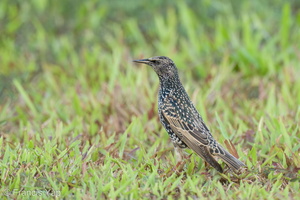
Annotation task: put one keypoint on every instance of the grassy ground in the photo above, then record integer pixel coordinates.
(79, 120)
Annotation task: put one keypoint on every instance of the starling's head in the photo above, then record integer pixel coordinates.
(163, 66)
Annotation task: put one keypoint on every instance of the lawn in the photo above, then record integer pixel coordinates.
(78, 119)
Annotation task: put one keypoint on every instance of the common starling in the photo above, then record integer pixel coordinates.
(180, 118)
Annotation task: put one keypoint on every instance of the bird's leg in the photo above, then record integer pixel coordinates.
(179, 158)
(178, 153)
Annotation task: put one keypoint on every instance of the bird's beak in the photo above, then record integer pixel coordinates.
(146, 61)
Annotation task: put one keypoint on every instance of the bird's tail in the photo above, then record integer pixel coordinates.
(229, 159)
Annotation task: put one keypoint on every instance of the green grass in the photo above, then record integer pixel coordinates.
(78, 120)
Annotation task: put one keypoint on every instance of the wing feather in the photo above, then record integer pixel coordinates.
(184, 128)
(192, 140)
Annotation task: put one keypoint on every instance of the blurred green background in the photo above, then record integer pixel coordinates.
(259, 36)
(66, 74)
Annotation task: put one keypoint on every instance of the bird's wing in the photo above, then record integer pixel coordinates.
(184, 130)
(187, 130)
(192, 137)
(185, 122)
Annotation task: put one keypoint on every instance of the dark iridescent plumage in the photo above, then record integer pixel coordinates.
(181, 119)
